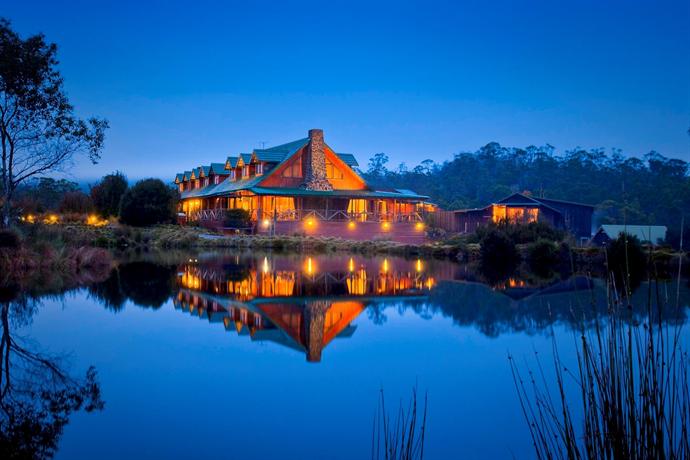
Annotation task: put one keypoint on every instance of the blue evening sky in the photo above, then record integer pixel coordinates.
(184, 84)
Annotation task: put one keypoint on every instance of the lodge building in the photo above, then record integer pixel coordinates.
(302, 187)
(575, 218)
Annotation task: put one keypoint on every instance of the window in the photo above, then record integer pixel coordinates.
(293, 170)
(216, 180)
(181, 187)
(232, 175)
(259, 169)
(332, 172)
(197, 183)
(245, 171)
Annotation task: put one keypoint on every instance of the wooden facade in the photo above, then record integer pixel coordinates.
(575, 218)
(302, 187)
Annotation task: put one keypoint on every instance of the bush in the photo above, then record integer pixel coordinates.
(9, 239)
(522, 233)
(542, 257)
(149, 202)
(76, 202)
(108, 193)
(237, 218)
(498, 256)
(626, 261)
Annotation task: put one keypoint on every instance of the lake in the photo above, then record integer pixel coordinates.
(255, 356)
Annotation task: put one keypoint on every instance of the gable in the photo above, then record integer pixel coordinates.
(518, 198)
(289, 173)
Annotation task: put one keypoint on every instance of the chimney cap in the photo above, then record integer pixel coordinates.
(315, 132)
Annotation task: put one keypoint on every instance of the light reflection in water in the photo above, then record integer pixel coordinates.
(302, 309)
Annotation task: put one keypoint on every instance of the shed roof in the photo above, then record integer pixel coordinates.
(645, 233)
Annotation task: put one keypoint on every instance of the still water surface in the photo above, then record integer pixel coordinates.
(276, 356)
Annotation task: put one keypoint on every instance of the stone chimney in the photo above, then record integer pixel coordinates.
(314, 163)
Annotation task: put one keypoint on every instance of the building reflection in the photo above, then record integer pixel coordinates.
(302, 304)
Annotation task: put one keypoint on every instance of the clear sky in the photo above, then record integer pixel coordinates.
(184, 84)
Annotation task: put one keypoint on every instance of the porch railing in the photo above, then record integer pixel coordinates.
(318, 214)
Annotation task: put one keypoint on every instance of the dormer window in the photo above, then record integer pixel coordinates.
(232, 175)
(216, 180)
(259, 169)
(181, 187)
(245, 171)
(197, 183)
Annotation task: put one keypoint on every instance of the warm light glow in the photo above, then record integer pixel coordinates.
(310, 266)
(418, 265)
(266, 223)
(351, 225)
(309, 222)
(51, 219)
(351, 265)
(386, 226)
(384, 266)
(96, 221)
(265, 266)
(419, 226)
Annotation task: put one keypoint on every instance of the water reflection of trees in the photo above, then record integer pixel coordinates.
(147, 284)
(578, 301)
(37, 393)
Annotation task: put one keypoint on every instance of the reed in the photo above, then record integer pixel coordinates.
(631, 379)
(401, 438)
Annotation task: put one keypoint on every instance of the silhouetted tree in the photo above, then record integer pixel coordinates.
(107, 194)
(149, 202)
(39, 132)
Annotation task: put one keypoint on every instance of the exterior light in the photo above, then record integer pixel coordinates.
(265, 266)
(418, 265)
(266, 223)
(310, 266)
(419, 226)
(385, 226)
(309, 222)
(384, 266)
(351, 225)
(51, 219)
(351, 265)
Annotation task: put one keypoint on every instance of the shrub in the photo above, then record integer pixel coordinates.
(107, 194)
(626, 260)
(498, 256)
(76, 202)
(237, 218)
(9, 239)
(149, 202)
(542, 256)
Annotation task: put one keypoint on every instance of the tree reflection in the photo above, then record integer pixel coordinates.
(37, 395)
(147, 284)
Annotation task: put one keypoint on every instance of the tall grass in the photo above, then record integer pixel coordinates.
(632, 399)
(401, 438)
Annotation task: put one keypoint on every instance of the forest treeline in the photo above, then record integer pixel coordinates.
(653, 189)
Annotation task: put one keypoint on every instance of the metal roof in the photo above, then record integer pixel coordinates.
(645, 233)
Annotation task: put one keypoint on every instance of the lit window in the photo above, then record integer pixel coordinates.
(245, 171)
(259, 169)
(232, 175)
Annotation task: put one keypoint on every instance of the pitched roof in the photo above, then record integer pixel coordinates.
(279, 154)
(217, 168)
(204, 170)
(645, 233)
(179, 177)
(231, 162)
(348, 158)
(551, 200)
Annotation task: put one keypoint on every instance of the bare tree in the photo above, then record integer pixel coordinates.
(39, 132)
